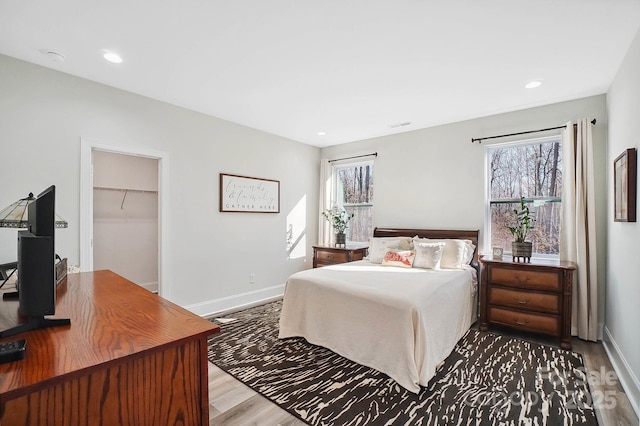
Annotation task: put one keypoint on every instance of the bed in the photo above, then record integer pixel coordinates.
(402, 321)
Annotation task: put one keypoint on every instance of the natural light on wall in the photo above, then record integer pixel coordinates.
(296, 225)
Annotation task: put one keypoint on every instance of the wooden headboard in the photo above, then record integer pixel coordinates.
(459, 234)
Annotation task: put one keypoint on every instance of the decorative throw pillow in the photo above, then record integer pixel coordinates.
(379, 247)
(428, 255)
(402, 258)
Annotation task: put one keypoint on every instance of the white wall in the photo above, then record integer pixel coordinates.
(623, 271)
(434, 178)
(44, 114)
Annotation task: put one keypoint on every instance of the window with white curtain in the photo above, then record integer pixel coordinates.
(353, 191)
(531, 169)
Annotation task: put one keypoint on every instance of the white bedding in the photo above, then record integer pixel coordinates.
(400, 321)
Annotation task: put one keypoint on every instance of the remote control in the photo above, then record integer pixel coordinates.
(12, 351)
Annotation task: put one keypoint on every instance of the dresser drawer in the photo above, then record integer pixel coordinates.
(540, 323)
(541, 280)
(329, 257)
(525, 300)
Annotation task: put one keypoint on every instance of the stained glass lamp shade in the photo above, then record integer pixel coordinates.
(15, 216)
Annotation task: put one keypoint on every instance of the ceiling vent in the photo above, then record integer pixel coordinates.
(395, 126)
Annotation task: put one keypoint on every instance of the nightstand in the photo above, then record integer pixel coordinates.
(527, 296)
(323, 255)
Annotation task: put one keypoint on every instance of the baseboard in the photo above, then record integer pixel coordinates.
(236, 302)
(152, 286)
(628, 379)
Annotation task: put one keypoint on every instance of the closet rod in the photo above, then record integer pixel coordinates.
(375, 154)
(479, 140)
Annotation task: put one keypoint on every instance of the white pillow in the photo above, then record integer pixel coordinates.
(379, 247)
(453, 254)
(404, 243)
(428, 255)
(401, 258)
(468, 257)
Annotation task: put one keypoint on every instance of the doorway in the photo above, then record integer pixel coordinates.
(125, 216)
(123, 202)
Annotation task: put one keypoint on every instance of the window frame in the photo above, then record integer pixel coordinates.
(487, 190)
(334, 190)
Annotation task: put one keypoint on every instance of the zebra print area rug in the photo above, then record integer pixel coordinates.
(487, 380)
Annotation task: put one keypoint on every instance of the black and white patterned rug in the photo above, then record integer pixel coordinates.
(487, 380)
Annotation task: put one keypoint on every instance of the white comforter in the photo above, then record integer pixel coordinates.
(400, 321)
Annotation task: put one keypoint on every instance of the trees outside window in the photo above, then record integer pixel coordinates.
(354, 192)
(533, 170)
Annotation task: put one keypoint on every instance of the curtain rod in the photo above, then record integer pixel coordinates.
(479, 140)
(375, 154)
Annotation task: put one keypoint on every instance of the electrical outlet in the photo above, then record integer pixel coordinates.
(252, 278)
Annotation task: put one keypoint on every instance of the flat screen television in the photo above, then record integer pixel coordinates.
(36, 283)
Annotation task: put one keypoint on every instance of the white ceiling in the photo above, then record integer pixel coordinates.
(351, 68)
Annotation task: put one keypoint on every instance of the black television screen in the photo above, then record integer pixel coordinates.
(36, 283)
(36, 257)
(41, 216)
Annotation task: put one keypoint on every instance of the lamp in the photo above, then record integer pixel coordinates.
(16, 216)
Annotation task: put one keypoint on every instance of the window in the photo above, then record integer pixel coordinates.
(354, 191)
(531, 169)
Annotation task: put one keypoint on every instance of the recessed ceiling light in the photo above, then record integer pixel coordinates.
(112, 57)
(533, 84)
(322, 133)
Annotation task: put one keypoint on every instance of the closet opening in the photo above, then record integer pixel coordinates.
(125, 216)
(123, 201)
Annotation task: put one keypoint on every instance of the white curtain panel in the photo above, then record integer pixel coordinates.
(326, 176)
(578, 226)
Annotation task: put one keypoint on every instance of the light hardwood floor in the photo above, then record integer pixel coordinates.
(231, 403)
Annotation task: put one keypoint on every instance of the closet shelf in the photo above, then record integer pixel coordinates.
(105, 188)
(126, 191)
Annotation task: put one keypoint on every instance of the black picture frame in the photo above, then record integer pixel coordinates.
(625, 172)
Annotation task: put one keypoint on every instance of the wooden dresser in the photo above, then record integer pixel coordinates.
(323, 256)
(527, 296)
(129, 357)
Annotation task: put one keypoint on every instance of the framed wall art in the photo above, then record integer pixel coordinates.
(246, 194)
(624, 186)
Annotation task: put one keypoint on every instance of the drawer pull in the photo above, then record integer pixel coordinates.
(521, 301)
(521, 280)
(519, 322)
(330, 256)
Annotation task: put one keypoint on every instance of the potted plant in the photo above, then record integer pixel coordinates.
(339, 220)
(523, 223)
